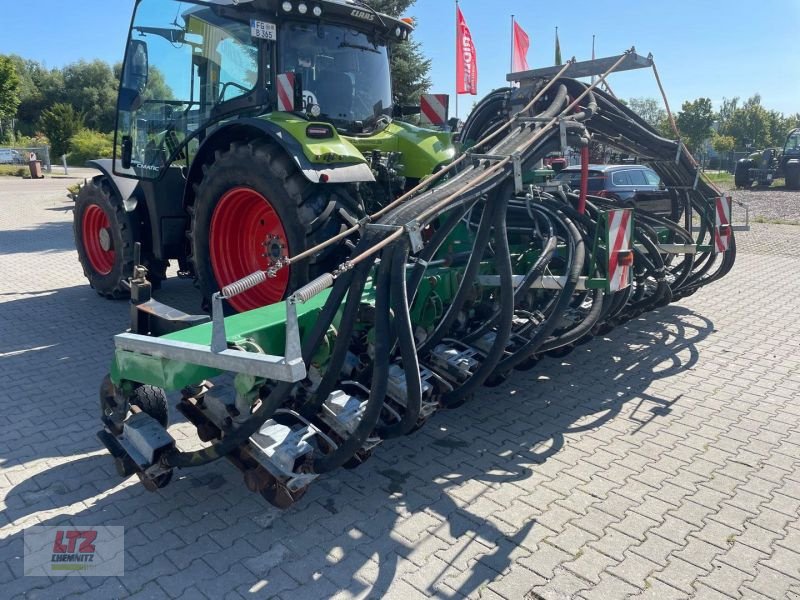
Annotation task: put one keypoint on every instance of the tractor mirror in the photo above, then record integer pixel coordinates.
(135, 73)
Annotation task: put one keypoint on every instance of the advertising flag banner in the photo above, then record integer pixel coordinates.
(466, 58)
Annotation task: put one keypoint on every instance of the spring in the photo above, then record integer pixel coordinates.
(244, 284)
(308, 291)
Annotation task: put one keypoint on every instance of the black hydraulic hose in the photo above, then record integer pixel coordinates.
(502, 264)
(408, 350)
(235, 439)
(380, 373)
(581, 329)
(432, 247)
(343, 337)
(465, 287)
(576, 255)
(533, 274)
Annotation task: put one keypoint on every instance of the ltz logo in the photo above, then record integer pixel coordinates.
(68, 554)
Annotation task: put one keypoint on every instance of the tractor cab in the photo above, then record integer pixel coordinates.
(192, 64)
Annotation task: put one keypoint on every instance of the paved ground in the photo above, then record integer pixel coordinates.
(661, 462)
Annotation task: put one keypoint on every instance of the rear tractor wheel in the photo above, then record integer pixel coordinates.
(254, 207)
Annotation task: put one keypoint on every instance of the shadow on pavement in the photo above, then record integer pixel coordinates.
(354, 525)
(46, 237)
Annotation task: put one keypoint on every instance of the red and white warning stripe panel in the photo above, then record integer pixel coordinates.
(433, 109)
(620, 248)
(722, 230)
(286, 92)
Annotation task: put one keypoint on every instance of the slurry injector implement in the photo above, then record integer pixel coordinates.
(415, 299)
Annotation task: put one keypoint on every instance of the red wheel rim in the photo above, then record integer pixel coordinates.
(96, 223)
(246, 236)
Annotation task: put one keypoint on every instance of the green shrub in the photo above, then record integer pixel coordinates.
(14, 171)
(88, 145)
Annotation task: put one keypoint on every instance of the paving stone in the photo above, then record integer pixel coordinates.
(634, 569)
(725, 579)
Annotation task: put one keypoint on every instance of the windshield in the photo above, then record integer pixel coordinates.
(793, 143)
(344, 72)
(185, 63)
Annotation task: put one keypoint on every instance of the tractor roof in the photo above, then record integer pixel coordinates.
(353, 12)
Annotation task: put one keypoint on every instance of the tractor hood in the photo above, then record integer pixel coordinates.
(423, 150)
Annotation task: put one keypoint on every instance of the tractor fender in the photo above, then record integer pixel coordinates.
(248, 129)
(123, 186)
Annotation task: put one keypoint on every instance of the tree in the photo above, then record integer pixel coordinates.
(91, 89)
(750, 124)
(694, 122)
(410, 68)
(60, 123)
(723, 143)
(40, 88)
(649, 109)
(9, 93)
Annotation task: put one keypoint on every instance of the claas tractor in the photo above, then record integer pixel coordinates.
(360, 273)
(246, 131)
(766, 166)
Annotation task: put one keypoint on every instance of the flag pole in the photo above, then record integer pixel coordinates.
(511, 62)
(593, 77)
(457, 51)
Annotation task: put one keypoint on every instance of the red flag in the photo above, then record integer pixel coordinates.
(466, 58)
(521, 44)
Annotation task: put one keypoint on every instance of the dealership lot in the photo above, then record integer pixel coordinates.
(662, 461)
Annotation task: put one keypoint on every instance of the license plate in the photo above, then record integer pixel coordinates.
(263, 30)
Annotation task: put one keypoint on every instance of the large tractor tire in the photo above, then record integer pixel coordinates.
(105, 234)
(253, 206)
(104, 237)
(792, 172)
(741, 175)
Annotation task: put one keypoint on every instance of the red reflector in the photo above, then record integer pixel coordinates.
(724, 229)
(323, 178)
(625, 259)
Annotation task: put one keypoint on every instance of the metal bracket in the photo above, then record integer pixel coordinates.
(289, 368)
(516, 160)
(414, 231)
(696, 179)
(678, 153)
(219, 339)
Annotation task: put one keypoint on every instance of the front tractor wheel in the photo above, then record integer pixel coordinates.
(792, 170)
(253, 207)
(741, 174)
(104, 238)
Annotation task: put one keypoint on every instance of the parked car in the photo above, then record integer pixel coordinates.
(636, 186)
(620, 182)
(11, 157)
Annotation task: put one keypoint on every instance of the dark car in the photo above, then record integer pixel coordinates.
(634, 186)
(619, 182)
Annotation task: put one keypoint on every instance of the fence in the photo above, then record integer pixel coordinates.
(42, 154)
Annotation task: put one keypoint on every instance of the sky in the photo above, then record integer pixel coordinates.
(702, 48)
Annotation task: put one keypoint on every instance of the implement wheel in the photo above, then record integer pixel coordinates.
(153, 401)
(253, 207)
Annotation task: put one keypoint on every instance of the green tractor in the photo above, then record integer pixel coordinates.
(766, 166)
(248, 131)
